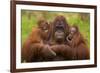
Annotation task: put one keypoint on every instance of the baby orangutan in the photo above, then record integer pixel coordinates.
(78, 44)
(35, 48)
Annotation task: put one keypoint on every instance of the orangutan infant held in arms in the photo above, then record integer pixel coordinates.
(78, 44)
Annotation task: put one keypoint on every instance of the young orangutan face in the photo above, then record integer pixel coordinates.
(72, 31)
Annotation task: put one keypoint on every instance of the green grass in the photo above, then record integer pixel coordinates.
(30, 18)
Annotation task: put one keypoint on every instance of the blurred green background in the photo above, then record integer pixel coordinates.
(29, 20)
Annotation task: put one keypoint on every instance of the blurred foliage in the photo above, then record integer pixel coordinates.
(29, 20)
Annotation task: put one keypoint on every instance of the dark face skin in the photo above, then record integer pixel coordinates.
(59, 34)
(72, 32)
